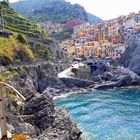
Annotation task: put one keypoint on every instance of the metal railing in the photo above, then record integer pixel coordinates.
(3, 127)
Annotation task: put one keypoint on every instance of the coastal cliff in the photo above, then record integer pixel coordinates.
(23, 45)
(131, 57)
(47, 121)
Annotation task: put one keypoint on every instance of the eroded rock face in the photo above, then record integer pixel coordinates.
(119, 77)
(37, 78)
(131, 57)
(48, 122)
(55, 123)
(99, 67)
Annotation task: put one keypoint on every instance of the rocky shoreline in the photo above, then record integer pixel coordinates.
(40, 85)
(47, 121)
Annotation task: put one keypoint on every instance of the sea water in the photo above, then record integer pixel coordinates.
(106, 115)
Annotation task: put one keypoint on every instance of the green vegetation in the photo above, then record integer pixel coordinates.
(58, 11)
(43, 52)
(12, 51)
(63, 35)
(15, 49)
(21, 39)
(5, 76)
(17, 23)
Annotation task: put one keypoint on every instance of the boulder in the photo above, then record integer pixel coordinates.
(120, 77)
(99, 67)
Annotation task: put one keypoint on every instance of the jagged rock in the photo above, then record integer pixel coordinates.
(131, 57)
(55, 124)
(48, 122)
(97, 78)
(121, 77)
(107, 76)
(38, 103)
(37, 78)
(99, 67)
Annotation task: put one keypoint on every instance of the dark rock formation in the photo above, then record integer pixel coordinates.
(104, 75)
(118, 77)
(36, 82)
(55, 123)
(38, 77)
(48, 122)
(73, 82)
(131, 57)
(99, 67)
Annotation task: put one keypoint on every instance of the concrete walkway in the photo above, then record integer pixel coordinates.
(67, 72)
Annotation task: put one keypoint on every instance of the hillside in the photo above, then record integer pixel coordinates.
(94, 19)
(58, 11)
(23, 35)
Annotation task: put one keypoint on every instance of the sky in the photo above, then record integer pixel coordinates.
(108, 9)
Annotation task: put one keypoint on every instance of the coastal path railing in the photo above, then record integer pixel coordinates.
(3, 127)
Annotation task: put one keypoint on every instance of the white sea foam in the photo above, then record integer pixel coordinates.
(64, 95)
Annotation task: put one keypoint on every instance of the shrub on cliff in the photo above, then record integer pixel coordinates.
(43, 52)
(21, 38)
(11, 51)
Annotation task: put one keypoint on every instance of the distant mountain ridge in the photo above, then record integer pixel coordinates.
(58, 11)
(93, 19)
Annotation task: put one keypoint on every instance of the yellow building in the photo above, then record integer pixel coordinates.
(105, 49)
(71, 49)
(103, 35)
(79, 51)
(113, 51)
(90, 49)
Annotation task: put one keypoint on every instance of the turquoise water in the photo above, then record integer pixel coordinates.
(106, 115)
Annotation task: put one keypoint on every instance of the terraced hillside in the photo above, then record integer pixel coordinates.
(24, 33)
(17, 23)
